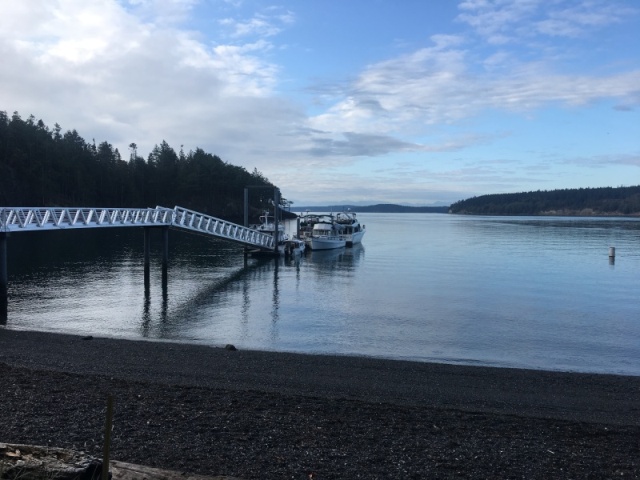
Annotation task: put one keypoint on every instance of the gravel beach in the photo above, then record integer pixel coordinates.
(262, 415)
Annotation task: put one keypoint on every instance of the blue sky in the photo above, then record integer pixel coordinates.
(378, 101)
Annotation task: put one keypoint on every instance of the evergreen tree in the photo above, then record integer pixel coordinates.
(43, 167)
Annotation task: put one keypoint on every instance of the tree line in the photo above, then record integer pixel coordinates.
(40, 166)
(580, 201)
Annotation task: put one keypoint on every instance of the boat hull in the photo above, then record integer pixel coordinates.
(294, 247)
(355, 238)
(350, 227)
(328, 243)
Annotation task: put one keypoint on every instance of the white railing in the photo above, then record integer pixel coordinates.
(23, 219)
(199, 222)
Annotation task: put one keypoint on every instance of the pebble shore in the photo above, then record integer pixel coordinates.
(264, 415)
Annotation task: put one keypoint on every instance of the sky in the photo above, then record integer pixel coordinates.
(411, 102)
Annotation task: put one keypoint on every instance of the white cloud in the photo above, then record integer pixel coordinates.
(255, 26)
(603, 161)
(98, 67)
(438, 86)
(576, 20)
(495, 19)
(504, 21)
(161, 12)
(261, 24)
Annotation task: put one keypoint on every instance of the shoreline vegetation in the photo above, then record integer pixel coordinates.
(253, 415)
(605, 201)
(47, 167)
(580, 202)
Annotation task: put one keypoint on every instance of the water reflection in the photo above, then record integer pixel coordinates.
(146, 308)
(275, 309)
(326, 256)
(146, 305)
(3, 307)
(345, 256)
(241, 299)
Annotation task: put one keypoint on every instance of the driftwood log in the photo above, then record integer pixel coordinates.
(30, 462)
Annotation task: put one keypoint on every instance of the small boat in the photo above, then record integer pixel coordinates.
(321, 232)
(287, 245)
(294, 246)
(352, 229)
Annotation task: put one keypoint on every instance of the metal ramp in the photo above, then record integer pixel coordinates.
(26, 219)
(201, 223)
(30, 219)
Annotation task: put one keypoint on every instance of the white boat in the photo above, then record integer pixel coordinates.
(352, 230)
(294, 246)
(287, 245)
(321, 232)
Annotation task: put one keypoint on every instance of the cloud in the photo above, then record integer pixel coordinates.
(396, 182)
(500, 21)
(161, 12)
(601, 161)
(255, 26)
(124, 76)
(261, 24)
(102, 69)
(577, 20)
(436, 86)
(357, 144)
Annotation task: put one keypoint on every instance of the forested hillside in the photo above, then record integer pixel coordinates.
(582, 201)
(40, 166)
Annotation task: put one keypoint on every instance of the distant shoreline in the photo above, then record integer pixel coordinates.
(552, 214)
(580, 202)
(445, 210)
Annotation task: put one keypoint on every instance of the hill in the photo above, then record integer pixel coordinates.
(40, 166)
(620, 201)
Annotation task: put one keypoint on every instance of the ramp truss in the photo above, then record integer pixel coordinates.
(201, 223)
(25, 219)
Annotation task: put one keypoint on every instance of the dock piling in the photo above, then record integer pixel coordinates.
(4, 278)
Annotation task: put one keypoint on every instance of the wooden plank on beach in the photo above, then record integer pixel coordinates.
(130, 471)
(47, 463)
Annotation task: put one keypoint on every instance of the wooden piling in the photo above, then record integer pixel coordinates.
(107, 438)
(147, 247)
(165, 247)
(276, 212)
(4, 276)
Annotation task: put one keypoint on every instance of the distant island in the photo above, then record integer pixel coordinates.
(605, 201)
(380, 208)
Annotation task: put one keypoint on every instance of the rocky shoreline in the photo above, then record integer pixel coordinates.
(256, 415)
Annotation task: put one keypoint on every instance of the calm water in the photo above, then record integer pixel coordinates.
(503, 291)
